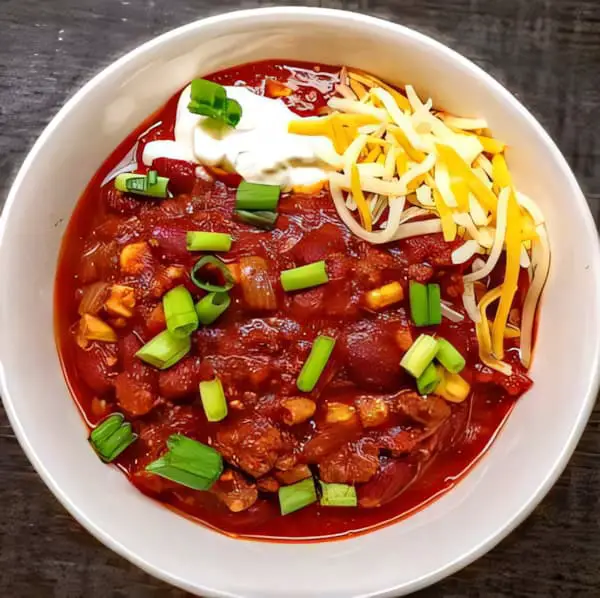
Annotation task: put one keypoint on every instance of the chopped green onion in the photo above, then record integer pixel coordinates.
(297, 496)
(233, 112)
(304, 277)
(189, 463)
(210, 99)
(106, 428)
(419, 303)
(261, 218)
(164, 350)
(180, 312)
(316, 362)
(428, 381)
(211, 306)
(205, 241)
(420, 355)
(338, 495)
(208, 93)
(434, 304)
(255, 196)
(204, 110)
(139, 184)
(215, 264)
(152, 177)
(449, 357)
(111, 437)
(213, 400)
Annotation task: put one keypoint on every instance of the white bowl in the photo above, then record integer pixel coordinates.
(523, 462)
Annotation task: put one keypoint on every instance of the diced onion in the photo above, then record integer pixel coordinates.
(93, 298)
(256, 283)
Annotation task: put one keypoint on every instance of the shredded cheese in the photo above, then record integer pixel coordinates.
(511, 276)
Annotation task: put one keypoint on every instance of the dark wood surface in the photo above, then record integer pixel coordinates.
(546, 51)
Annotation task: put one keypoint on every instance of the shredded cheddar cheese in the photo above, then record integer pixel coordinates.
(398, 155)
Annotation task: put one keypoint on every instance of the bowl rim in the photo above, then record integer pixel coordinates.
(593, 384)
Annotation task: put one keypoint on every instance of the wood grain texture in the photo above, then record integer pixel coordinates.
(545, 51)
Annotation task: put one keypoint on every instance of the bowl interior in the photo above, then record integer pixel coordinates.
(520, 466)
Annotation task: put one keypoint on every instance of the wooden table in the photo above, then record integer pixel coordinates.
(545, 51)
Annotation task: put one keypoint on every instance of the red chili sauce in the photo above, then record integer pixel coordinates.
(419, 450)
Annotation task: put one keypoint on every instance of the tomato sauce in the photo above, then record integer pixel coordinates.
(258, 355)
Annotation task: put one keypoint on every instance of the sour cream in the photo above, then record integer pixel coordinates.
(259, 149)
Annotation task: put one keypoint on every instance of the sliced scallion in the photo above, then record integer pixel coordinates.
(139, 184)
(152, 177)
(208, 93)
(211, 306)
(313, 367)
(297, 496)
(434, 304)
(111, 437)
(206, 241)
(232, 113)
(180, 312)
(164, 350)
(213, 400)
(338, 495)
(202, 270)
(419, 302)
(261, 218)
(189, 463)
(420, 355)
(304, 277)
(428, 381)
(449, 357)
(256, 196)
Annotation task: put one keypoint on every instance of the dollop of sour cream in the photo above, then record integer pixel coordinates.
(259, 149)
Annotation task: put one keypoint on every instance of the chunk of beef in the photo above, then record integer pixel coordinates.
(430, 411)
(400, 440)
(253, 444)
(330, 438)
(233, 490)
(293, 475)
(354, 463)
